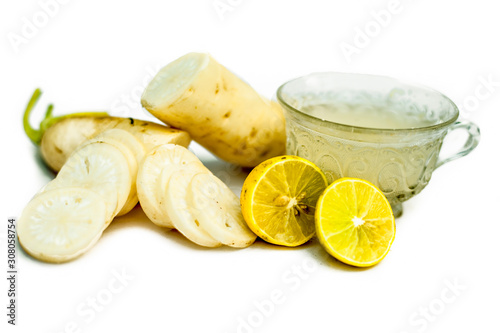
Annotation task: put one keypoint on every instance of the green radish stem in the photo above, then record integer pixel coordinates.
(36, 135)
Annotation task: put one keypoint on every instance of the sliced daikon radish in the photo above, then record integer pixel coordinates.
(165, 175)
(132, 198)
(124, 137)
(218, 211)
(100, 167)
(134, 150)
(180, 213)
(61, 224)
(149, 176)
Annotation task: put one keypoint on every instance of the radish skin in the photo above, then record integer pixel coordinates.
(219, 110)
(59, 136)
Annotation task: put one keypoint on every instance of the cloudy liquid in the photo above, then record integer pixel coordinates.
(370, 116)
(400, 169)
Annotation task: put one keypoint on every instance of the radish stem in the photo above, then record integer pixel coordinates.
(35, 135)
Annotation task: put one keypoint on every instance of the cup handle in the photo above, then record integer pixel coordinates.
(471, 143)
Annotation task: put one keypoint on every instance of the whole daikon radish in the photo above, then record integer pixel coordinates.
(59, 136)
(220, 111)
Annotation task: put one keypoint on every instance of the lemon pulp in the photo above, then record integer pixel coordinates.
(279, 198)
(354, 222)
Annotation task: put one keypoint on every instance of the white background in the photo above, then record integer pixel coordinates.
(93, 55)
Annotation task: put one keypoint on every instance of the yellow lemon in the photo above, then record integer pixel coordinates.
(278, 199)
(354, 222)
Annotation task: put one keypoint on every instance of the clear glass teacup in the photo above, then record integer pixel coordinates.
(371, 127)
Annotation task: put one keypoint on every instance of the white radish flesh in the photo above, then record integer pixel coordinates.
(179, 210)
(219, 110)
(100, 167)
(61, 224)
(134, 150)
(62, 138)
(218, 211)
(149, 174)
(166, 173)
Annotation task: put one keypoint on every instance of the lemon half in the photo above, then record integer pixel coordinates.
(354, 222)
(278, 199)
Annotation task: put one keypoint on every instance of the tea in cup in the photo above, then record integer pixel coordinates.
(371, 127)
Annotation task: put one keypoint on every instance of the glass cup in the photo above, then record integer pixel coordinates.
(372, 127)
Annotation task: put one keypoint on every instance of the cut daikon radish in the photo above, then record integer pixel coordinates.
(179, 210)
(100, 167)
(219, 110)
(61, 224)
(149, 177)
(134, 150)
(218, 211)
